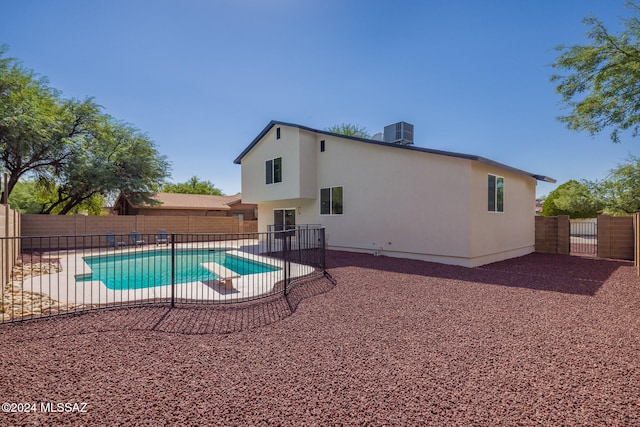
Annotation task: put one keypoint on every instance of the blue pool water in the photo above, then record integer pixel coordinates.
(153, 268)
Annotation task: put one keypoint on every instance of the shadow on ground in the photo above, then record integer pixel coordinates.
(185, 318)
(556, 273)
(547, 272)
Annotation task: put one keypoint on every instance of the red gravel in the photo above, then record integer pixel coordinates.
(540, 340)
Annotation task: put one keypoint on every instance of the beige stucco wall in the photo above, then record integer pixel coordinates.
(496, 236)
(399, 202)
(308, 171)
(393, 200)
(254, 188)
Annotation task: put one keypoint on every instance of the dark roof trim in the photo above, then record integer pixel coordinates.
(389, 144)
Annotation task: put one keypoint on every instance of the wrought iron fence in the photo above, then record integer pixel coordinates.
(583, 236)
(61, 274)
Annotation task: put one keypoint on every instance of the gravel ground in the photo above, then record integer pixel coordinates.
(540, 340)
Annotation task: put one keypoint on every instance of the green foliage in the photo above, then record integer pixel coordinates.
(113, 157)
(25, 197)
(618, 194)
(574, 199)
(78, 154)
(31, 135)
(621, 189)
(33, 197)
(350, 130)
(193, 186)
(603, 85)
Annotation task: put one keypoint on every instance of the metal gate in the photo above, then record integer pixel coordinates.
(583, 236)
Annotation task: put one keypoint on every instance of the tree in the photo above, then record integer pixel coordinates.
(78, 154)
(193, 186)
(114, 157)
(621, 189)
(350, 130)
(602, 89)
(24, 197)
(32, 136)
(572, 198)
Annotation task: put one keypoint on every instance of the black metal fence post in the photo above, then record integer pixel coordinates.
(299, 239)
(285, 256)
(323, 259)
(173, 270)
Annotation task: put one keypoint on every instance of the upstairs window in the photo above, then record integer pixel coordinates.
(331, 201)
(496, 194)
(322, 146)
(274, 170)
(277, 133)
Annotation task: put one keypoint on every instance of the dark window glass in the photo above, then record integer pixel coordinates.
(289, 219)
(500, 195)
(492, 193)
(277, 133)
(325, 201)
(336, 201)
(269, 170)
(277, 169)
(278, 219)
(322, 145)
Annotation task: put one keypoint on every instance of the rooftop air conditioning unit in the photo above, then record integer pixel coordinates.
(399, 133)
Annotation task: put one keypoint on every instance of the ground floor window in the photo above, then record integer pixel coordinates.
(496, 194)
(284, 219)
(331, 201)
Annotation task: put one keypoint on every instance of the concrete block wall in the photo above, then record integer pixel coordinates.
(249, 226)
(552, 234)
(9, 248)
(616, 237)
(84, 226)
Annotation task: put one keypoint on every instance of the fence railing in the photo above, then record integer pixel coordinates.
(61, 274)
(583, 235)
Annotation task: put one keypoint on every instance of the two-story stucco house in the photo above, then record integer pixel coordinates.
(390, 197)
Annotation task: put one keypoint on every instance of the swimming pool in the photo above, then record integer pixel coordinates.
(147, 269)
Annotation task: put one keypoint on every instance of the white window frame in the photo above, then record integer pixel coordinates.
(495, 193)
(330, 200)
(273, 170)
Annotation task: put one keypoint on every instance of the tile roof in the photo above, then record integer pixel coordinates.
(193, 201)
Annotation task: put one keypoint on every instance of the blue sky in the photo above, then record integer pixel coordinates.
(203, 77)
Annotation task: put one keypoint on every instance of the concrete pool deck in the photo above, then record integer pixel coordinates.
(64, 287)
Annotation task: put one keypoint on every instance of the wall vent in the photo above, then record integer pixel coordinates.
(399, 133)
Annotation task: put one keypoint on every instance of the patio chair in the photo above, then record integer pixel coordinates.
(135, 238)
(162, 237)
(111, 240)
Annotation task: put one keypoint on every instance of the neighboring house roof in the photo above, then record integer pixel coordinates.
(193, 201)
(390, 144)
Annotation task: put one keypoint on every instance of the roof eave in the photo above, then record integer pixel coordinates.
(273, 123)
(545, 178)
